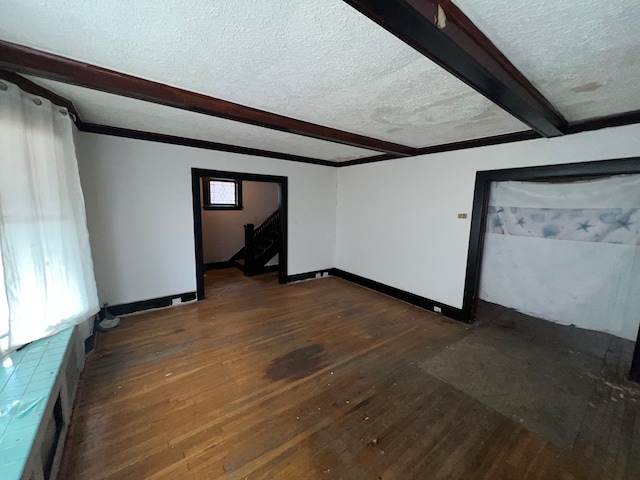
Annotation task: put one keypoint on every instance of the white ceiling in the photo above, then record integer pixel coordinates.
(326, 63)
(116, 111)
(321, 62)
(583, 55)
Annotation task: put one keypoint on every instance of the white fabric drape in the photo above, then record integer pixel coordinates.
(566, 252)
(46, 271)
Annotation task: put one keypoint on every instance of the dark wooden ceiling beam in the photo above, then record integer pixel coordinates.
(30, 87)
(21, 59)
(462, 49)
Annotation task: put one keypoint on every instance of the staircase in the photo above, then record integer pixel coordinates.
(261, 244)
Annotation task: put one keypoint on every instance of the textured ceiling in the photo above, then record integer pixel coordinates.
(321, 62)
(113, 110)
(583, 55)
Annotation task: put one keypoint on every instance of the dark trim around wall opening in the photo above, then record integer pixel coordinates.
(552, 172)
(196, 175)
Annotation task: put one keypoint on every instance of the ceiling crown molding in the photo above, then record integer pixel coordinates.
(195, 143)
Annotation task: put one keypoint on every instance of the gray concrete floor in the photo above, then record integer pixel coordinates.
(558, 381)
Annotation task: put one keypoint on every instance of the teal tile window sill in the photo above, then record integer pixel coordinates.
(26, 380)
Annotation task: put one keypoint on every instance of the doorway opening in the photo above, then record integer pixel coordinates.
(232, 200)
(551, 173)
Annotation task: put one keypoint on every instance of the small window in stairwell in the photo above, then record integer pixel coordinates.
(220, 194)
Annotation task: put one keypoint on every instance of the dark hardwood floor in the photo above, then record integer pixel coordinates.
(319, 379)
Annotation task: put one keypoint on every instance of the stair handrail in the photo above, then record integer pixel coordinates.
(251, 233)
(249, 249)
(271, 219)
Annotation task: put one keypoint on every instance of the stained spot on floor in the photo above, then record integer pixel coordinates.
(362, 404)
(296, 364)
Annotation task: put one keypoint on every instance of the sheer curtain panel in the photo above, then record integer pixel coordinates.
(46, 271)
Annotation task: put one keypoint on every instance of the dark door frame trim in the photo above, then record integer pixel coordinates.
(479, 213)
(196, 175)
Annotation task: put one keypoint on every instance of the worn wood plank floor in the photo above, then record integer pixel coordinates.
(319, 379)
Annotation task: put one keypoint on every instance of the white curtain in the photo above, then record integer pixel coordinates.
(46, 271)
(566, 252)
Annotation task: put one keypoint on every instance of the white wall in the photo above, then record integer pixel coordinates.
(223, 230)
(140, 214)
(397, 220)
